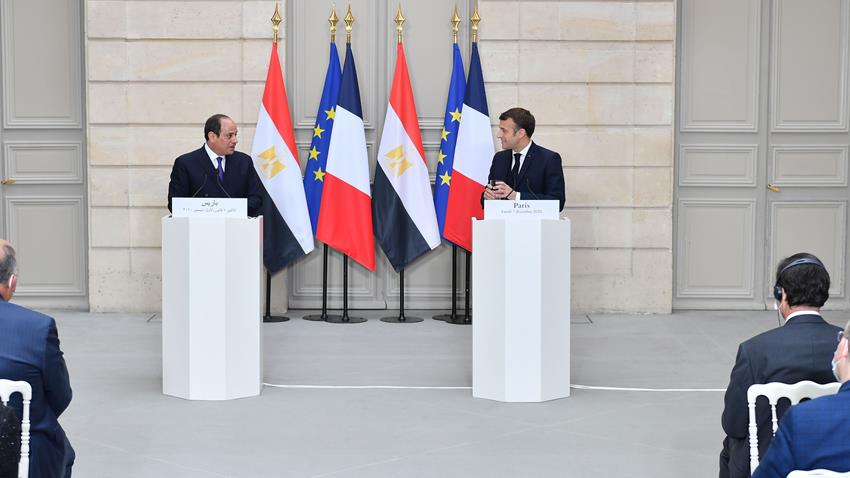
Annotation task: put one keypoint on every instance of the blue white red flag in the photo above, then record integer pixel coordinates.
(345, 216)
(473, 154)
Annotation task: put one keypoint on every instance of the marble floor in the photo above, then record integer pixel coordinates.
(660, 419)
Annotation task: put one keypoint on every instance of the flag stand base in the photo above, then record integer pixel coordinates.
(453, 316)
(466, 318)
(323, 317)
(344, 318)
(268, 318)
(401, 319)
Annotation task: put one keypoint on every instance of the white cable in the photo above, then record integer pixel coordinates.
(405, 387)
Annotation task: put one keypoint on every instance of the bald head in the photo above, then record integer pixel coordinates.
(8, 270)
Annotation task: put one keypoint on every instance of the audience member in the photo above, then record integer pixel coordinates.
(10, 442)
(29, 351)
(814, 434)
(798, 350)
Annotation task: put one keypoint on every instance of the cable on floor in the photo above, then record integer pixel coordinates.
(406, 387)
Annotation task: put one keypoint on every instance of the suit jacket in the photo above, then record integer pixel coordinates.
(193, 175)
(812, 435)
(540, 177)
(29, 351)
(801, 349)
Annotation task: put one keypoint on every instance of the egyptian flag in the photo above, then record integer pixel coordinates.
(286, 222)
(473, 155)
(345, 215)
(405, 222)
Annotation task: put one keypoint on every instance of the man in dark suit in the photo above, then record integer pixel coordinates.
(813, 434)
(29, 351)
(523, 170)
(217, 170)
(798, 350)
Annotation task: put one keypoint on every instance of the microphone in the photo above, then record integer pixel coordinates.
(218, 181)
(206, 176)
(528, 184)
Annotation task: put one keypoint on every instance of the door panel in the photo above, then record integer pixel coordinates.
(790, 169)
(42, 144)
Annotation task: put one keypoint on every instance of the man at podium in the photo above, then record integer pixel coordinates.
(523, 170)
(217, 170)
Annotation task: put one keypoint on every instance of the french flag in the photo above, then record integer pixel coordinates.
(473, 156)
(345, 215)
(405, 221)
(287, 232)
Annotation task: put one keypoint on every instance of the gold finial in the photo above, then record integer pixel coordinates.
(276, 21)
(475, 19)
(349, 20)
(399, 22)
(455, 23)
(333, 20)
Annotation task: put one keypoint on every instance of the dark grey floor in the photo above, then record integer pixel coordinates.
(121, 424)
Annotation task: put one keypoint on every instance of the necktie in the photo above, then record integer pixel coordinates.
(515, 169)
(220, 169)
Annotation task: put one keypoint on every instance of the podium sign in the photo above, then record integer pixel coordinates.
(521, 210)
(209, 207)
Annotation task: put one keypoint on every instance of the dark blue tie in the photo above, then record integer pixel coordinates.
(515, 169)
(220, 169)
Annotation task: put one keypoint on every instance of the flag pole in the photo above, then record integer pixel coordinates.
(323, 317)
(453, 316)
(345, 319)
(268, 317)
(401, 319)
(466, 319)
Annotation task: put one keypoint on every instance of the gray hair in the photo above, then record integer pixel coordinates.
(8, 264)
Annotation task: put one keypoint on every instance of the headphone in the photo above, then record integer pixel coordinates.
(777, 291)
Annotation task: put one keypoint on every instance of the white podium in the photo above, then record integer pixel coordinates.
(521, 299)
(211, 323)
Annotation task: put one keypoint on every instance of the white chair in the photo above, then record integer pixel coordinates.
(806, 474)
(774, 391)
(7, 388)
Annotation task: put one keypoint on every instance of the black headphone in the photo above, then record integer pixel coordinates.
(777, 291)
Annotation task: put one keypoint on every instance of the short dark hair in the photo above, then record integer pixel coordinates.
(522, 117)
(804, 284)
(8, 263)
(213, 125)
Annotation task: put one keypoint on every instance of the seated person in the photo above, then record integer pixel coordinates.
(814, 434)
(10, 442)
(798, 350)
(29, 351)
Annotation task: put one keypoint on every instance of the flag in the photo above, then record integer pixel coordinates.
(317, 159)
(286, 222)
(448, 139)
(405, 222)
(473, 154)
(345, 216)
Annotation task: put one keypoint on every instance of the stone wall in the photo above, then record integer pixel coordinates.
(155, 71)
(598, 76)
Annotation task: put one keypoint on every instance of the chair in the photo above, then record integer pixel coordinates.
(806, 474)
(7, 388)
(774, 391)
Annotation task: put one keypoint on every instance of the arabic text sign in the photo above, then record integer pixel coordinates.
(209, 207)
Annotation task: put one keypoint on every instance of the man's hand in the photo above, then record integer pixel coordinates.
(498, 191)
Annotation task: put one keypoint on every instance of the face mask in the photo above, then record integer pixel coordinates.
(835, 371)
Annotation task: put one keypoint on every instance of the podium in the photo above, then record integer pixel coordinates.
(211, 324)
(521, 299)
